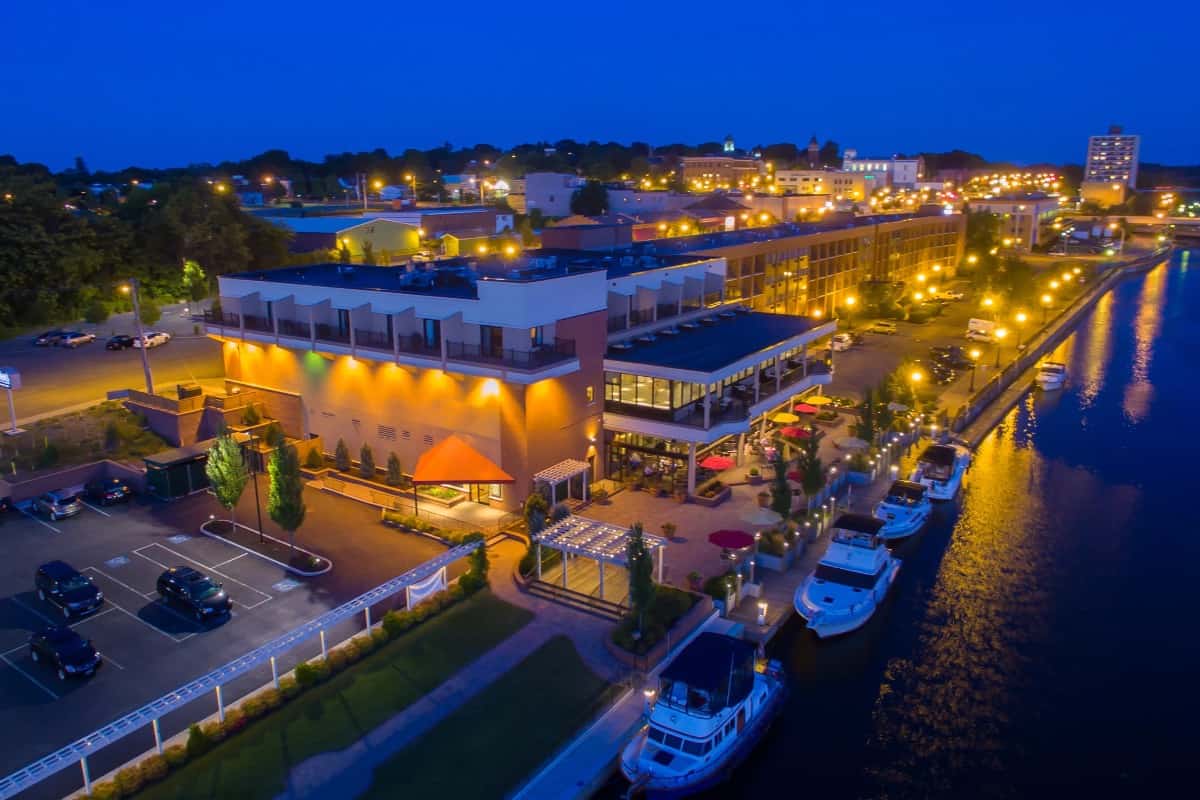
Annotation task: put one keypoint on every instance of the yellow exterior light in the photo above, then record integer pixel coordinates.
(988, 302)
(974, 354)
(481, 249)
(1047, 299)
(918, 296)
(509, 250)
(971, 259)
(817, 313)
(1053, 284)
(916, 376)
(1001, 333)
(850, 301)
(1021, 317)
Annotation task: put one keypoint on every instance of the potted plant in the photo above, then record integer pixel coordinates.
(754, 476)
(668, 530)
(600, 496)
(695, 581)
(764, 498)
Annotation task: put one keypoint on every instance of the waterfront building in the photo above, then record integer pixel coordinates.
(1023, 217)
(1113, 158)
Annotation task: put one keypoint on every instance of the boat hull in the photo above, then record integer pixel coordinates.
(709, 775)
(827, 626)
(1050, 384)
(894, 530)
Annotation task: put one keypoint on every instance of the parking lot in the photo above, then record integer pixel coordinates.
(149, 647)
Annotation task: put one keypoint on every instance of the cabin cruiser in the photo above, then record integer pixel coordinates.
(850, 581)
(711, 708)
(940, 470)
(904, 511)
(1051, 375)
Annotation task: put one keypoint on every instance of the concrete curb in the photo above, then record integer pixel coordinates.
(204, 529)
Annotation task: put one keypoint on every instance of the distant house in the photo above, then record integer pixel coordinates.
(390, 240)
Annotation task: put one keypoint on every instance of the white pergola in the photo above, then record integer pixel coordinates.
(561, 472)
(589, 538)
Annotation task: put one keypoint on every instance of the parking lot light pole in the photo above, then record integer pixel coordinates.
(254, 479)
(131, 288)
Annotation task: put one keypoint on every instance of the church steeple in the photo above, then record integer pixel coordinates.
(814, 153)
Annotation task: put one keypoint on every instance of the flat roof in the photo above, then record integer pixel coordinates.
(327, 224)
(708, 348)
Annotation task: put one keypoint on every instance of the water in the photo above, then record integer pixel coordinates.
(1042, 640)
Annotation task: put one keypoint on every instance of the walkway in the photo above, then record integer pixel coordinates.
(348, 773)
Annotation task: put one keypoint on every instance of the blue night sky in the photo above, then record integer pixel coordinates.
(157, 84)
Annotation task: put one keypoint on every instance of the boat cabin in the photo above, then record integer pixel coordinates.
(905, 493)
(712, 673)
(937, 462)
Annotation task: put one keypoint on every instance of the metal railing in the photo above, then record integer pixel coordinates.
(376, 340)
(296, 328)
(225, 318)
(414, 343)
(329, 333)
(77, 752)
(254, 323)
(544, 355)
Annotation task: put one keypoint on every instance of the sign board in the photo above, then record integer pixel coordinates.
(10, 378)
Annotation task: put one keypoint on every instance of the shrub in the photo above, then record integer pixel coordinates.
(366, 462)
(128, 780)
(271, 699)
(341, 456)
(96, 312)
(252, 707)
(150, 311)
(394, 476)
(337, 660)
(235, 720)
(289, 687)
(365, 644)
(198, 741)
(323, 670)
(250, 415)
(48, 457)
(153, 768)
(559, 513)
(176, 755)
(600, 495)
(213, 731)
(717, 586)
(307, 674)
(668, 530)
(380, 636)
(351, 651)
(107, 790)
(314, 459)
(397, 622)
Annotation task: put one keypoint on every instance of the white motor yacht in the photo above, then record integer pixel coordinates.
(904, 511)
(711, 708)
(1051, 375)
(940, 470)
(850, 581)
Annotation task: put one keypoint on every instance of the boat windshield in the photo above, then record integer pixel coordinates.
(687, 698)
(846, 577)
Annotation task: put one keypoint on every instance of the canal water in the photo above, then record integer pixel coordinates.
(1043, 637)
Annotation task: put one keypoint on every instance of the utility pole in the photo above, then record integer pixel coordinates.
(254, 477)
(132, 289)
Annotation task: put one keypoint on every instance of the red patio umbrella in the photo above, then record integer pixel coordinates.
(805, 408)
(795, 475)
(731, 539)
(717, 463)
(794, 432)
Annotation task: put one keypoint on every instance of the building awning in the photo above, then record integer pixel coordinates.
(454, 461)
(592, 539)
(563, 470)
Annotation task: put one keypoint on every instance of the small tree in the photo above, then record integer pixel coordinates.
(314, 460)
(781, 492)
(194, 280)
(368, 256)
(341, 456)
(344, 254)
(250, 415)
(227, 473)
(591, 199)
(394, 476)
(536, 511)
(150, 312)
(641, 574)
(285, 500)
(97, 312)
(366, 461)
(812, 471)
(865, 429)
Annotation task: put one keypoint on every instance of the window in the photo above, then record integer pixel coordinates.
(672, 741)
(431, 333)
(537, 336)
(391, 330)
(491, 340)
(496, 491)
(655, 734)
(693, 748)
(591, 394)
(343, 321)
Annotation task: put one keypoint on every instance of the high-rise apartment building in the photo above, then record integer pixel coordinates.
(1112, 158)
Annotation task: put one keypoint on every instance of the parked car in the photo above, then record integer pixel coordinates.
(59, 503)
(841, 342)
(68, 653)
(194, 592)
(108, 491)
(856, 337)
(49, 338)
(979, 336)
(74, 339)
(884, 326)
(60, 584)
(119, 342)
(153, 339)
(952, 294)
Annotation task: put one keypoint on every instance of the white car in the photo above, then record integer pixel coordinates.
(841, 342)
(74, 339)
(885, 327)
(153, 339)
(951, 294)
(979, 336)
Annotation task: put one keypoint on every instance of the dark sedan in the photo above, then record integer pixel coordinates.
(107, 492)
(66, 651)
(119, 342)
(60, 584)
(49, 338)
(194, 592)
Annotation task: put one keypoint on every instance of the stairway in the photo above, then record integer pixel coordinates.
(580, 602)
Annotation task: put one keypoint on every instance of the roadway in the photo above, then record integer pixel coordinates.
(55, 378)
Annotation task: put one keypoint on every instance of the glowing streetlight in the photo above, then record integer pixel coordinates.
(972, 259)
(412, 179)
(1020, 318)
(920, 277)
(918, 296)
(131, 289)
(1053, 284)
(850, 302)
(999, 333)
(1047, 299)
(974, 354)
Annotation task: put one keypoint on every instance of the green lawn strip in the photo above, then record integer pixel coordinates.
(333, 715)
(497, 738)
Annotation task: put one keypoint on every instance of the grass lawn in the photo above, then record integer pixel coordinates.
(502, 734)
(332, 716)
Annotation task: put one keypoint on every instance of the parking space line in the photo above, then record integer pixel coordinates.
(266, 597)
(112, 661)
(35, 612)
(153, 627)
(229, 560)
(146, 595)
(39, 521)
(34, 680)
(92, 617)
(93, 508)
(15, 649)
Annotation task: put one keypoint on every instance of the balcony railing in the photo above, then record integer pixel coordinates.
(640, 316)
(329, 333)
(545, 355)
(296, 328)
(254, 323)
(667, 310)
(414, 343)
(376, 340)
(617, 323)
(226, 318)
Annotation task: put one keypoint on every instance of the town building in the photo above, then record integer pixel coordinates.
(723, 171)
(543, 364)
(841, 185)
(547, 192)
(389, 241)
(901, 173)
(1023, 217)
(1112, 158)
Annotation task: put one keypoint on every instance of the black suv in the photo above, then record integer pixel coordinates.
(195, 592)
(108, 491)
(73, 592)
(65, 650)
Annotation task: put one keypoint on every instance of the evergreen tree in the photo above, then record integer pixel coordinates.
(641, 574)
(781, 492)
(285, 500)
(366, 462)
(341, 456)
(227, 473)
(394, 476)
(812, 471)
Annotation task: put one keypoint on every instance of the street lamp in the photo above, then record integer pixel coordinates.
(1047, 299)
(974, 354)
(988, 303)
(1020, 322)
(850, 301)
(131, 289)
(412, 179)
(999, 334)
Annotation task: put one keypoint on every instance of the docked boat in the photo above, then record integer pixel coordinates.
(851, 580)
(711, 708)
(904, 510)
(1051, 375)
(940, 470)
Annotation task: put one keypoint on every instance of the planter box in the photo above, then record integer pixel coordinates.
(754, 480)
(827, 423)
(776, 563)
(678, 632)
(752, 589)
(716, 500)
(859, 478)
(719, 605)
